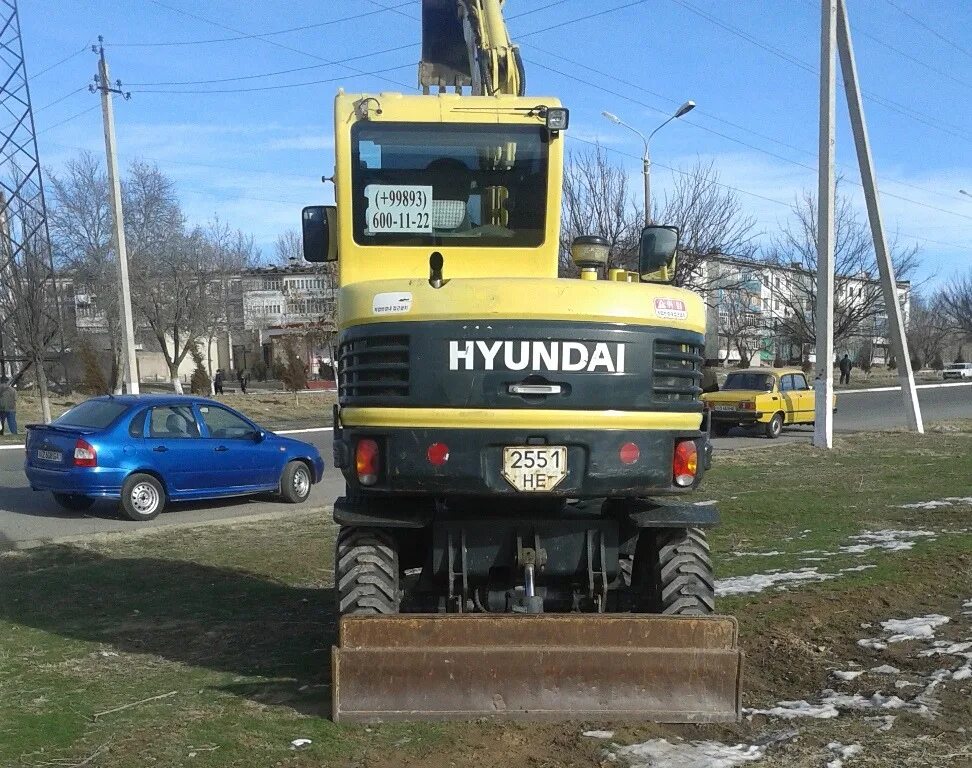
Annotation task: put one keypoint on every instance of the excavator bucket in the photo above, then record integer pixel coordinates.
(546, 667)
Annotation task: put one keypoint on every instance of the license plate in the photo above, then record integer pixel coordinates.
(535, 468)
(50, 455)
(725, 407)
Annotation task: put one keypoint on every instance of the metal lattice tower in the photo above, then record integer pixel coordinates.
(23, 214)
(20, 171)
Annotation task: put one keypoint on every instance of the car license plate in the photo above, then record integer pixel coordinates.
(50, 455)
(725, 407)
(535, 468)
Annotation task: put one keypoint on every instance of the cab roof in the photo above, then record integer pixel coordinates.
(775, 371)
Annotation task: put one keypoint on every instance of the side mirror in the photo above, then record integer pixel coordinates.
(319, 225)
(259, 436)
(658, 247)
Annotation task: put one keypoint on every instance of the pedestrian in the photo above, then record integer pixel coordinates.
(218, 381)
(845, 366)
(8, 406)
(710, 382)
(244, 380)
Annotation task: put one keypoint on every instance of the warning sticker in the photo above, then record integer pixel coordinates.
(398, 208)
(395, 303)
(670, 309)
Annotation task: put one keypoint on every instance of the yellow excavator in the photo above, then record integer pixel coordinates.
(514, 541)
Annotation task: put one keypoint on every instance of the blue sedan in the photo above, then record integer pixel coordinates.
(149, 450)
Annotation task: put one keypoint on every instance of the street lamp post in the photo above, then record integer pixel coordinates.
(687, 107)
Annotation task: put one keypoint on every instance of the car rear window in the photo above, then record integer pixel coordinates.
(758, 381)
(92, 414)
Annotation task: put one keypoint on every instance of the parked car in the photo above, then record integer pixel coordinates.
(957, 371)
(147, 451)
(769, 397)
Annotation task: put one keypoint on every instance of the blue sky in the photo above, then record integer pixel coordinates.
(254, 157)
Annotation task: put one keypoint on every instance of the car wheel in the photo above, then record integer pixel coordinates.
(73, 502)
(775, 426)
(142, 497)
(295, 482)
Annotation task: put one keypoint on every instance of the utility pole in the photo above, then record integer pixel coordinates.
(103, 84)
(823, 430)
(889, 286)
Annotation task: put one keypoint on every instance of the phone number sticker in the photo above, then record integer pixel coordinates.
(398, 208)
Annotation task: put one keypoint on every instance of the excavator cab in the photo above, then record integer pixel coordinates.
(514, 538)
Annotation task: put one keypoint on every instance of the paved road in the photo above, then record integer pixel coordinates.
(26, 516)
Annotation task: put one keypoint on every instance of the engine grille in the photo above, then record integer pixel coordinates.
(676, 372)
(373, 368)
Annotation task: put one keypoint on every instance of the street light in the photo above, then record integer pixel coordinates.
(687, 107)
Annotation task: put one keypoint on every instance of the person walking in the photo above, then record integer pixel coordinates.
(710, 381)
(845, 366)
(218, 381)
(244, 380)
(8, 406)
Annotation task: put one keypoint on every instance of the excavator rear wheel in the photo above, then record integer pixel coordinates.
(366, 571)
(673, 573)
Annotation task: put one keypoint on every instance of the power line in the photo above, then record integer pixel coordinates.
(935, 32)
(257, 36)
(59, 100)
(278, 72)
(581, 18)
(59, 63)
(887, 103)
(270, 42)
(69, 119)
(275, 87)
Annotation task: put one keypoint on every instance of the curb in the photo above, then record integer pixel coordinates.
(105, 536)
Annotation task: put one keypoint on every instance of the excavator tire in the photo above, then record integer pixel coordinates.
(366, 572)
(673, 572)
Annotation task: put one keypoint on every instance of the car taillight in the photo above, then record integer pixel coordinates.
(85, 454)
(367, 462)
(686, 463)
(747, 405)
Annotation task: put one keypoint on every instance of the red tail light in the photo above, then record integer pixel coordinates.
(685, 463)
(748, 405)
(438, 454)
(84, 454)
(367, 461)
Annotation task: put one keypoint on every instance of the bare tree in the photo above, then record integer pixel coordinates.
(929, 329)
(858, 298)
(28, 294)
(957, 303)
(80, 221)
(711, 222)
(740, 318)
(597, 201)
(288, 249)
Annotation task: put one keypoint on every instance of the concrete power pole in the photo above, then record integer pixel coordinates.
(889, 287)
(104, 85)
(823, 430)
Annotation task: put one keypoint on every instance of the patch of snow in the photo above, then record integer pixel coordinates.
(300, 743)
(771, 553)
(856, 568)
(919, 628)
(943, 648)
(757, 582)
(788, 710)
(884, 669)
(967, 608)
(962, 673)
(599, 734)
(660, 753)
(842, 753)
(841, 675)
(873, 643)
(948, 501)
(889, 540)
(705, 503)
(882, 722)
(814, 559)
(899, 684)
(865, 626)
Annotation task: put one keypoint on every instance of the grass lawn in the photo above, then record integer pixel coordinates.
(231, 628)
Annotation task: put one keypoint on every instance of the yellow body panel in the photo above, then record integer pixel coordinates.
(370, 262)
(797, 406)
(483, 299)
(489, 418)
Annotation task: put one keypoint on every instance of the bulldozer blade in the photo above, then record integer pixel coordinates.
(547, 667)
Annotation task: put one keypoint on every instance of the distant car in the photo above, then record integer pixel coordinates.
(769, 397)
(957, 371)
(147, 451)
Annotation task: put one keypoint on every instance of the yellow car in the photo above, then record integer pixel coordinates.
(771, 397)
